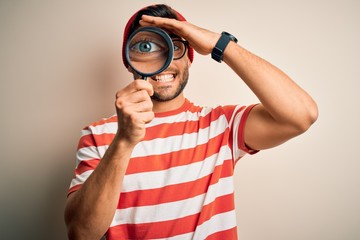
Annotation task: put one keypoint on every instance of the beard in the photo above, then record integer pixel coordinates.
(163, 97)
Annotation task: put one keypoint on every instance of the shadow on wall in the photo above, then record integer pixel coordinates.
(34, 209)
(40, 144)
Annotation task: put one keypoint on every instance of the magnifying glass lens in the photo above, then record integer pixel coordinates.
(148, 52)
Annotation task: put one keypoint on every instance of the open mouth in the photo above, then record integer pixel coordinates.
(163, 78)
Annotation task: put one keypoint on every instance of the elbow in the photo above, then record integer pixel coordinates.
(307, 118)
(76, 233)
(73, 230)
(72, 233)
(79, 224)
(314, 113)
(78, 230)
(71, 227)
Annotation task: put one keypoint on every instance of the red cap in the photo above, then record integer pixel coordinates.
(127, 29)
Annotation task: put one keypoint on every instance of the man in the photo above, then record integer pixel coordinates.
(163, 167)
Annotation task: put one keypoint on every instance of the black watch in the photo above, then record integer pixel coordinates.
(218, 51)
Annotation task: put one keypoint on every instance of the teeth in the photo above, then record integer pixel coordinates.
(164, 78)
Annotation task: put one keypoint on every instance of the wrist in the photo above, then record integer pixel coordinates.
(123, 142)
(218, 51)
(232, 51)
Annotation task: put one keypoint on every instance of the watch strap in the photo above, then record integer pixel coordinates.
(218, 51)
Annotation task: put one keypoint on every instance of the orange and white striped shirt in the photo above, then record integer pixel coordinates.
(179, 181)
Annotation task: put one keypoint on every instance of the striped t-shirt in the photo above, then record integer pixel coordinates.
(179, 181)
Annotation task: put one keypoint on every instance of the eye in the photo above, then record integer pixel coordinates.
(145, 47)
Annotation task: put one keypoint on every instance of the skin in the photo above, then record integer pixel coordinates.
(285, 111)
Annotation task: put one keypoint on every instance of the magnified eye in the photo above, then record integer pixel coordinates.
(145, 47)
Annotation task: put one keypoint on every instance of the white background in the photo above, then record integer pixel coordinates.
(60, 66)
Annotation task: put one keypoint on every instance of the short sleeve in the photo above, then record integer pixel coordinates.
(87, 159)
(237, 126)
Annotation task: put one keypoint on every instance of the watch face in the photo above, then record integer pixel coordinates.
(230, 36)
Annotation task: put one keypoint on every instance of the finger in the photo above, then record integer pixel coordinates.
(170, 24)
(139, 96)
(140, 84)
(136, 97)
(141, 102)
(139, 118)
(135, 86)
(146, 117)
(136, 102)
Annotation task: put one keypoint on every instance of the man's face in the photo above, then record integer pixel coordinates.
(170, 83)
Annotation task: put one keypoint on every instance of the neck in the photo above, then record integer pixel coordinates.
(168, 105)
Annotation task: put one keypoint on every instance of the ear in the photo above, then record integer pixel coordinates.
(189, 62)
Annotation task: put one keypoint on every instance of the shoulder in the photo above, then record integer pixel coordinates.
(104, 125)
(227, 111)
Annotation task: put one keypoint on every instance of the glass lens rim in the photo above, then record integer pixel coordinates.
(161, 33)
(185, 43)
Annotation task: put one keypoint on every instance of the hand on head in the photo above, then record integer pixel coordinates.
(202, 40)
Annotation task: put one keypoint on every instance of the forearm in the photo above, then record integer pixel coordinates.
(90, 210)
(285, 101)
(282, 98)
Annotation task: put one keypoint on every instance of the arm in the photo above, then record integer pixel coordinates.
(285, 111)
(89, 211)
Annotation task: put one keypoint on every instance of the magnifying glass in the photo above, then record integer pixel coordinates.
(149, 51)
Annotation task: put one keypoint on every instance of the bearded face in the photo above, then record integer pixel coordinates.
(169, 85)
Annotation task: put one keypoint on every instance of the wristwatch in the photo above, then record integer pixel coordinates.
(218, 51)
